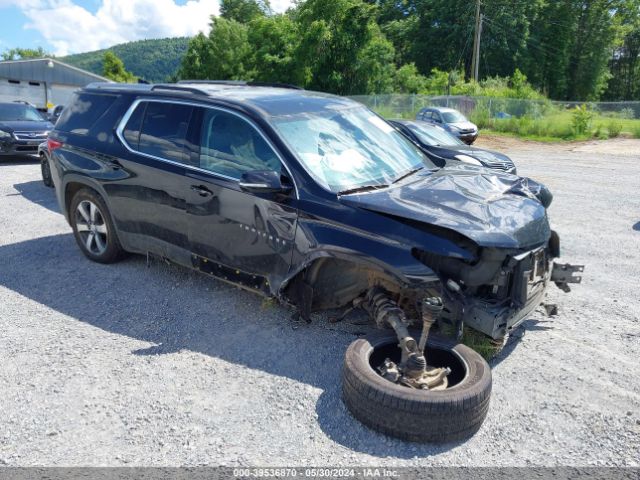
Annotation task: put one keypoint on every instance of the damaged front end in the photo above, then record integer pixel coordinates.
(501, 223)
(497, 292)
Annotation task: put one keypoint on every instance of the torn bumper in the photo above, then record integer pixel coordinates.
(525, 278)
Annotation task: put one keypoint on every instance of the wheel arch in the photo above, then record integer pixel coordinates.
(72, 185)
(333, 278)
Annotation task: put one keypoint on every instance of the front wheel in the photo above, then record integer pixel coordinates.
(93, 228)
(450, 414)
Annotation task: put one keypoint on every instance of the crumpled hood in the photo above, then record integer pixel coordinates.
(492, 210)
(23, 126)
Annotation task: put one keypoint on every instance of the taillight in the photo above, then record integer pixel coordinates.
(53, 144)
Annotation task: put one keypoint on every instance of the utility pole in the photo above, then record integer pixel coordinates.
(475, 73)
(475, 59)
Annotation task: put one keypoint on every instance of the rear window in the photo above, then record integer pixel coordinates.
(84, 112)
(164, 130)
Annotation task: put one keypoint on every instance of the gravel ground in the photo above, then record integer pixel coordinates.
(134, 365)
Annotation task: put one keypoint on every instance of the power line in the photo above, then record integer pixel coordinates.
(530, 40)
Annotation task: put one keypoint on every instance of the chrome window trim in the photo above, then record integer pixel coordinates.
(125, 119)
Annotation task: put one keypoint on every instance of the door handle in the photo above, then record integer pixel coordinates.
(201, 190)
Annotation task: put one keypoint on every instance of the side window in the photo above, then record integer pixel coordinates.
(131, 130)
(231, 146)
(164, 130)
(84, 111)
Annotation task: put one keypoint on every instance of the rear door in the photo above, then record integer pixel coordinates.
(239, 236)
(149, 204)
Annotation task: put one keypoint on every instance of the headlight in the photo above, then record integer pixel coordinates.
(4, 134)
(468, 159)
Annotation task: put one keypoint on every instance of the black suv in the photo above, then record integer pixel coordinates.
(22, 129)
(317, 201)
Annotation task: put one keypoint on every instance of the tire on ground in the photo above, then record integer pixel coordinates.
(46, 171)
(114, 250)
(417, 415)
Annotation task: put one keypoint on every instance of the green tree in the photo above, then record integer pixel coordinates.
(625, 61)
(588, 71)
(225, 54)
(275, 42)
(244, 11)
(113, 69)
(409, 80)
(25, 53)
(342, 49)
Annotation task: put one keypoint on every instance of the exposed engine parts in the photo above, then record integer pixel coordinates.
(413, 370)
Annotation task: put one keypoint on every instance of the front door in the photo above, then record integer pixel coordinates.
(238, 236)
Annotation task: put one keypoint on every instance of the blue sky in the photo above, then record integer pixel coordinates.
(71, 26)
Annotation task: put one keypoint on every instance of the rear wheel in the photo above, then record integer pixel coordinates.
(93, 227)
(46, 171)
(453, 413)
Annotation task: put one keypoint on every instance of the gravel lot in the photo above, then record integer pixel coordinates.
(129, 365)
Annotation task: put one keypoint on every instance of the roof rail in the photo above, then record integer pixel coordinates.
(213, 82)
(178, 88)
(117, 86)
(241, 83)
(274, 85)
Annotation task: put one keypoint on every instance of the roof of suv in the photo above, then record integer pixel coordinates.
(273, 100)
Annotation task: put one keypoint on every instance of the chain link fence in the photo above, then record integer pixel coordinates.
(529, 118)
(406, 106)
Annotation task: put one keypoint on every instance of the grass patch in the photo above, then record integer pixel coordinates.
(560, 126)
(478, 341)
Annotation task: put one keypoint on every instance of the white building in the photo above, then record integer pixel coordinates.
(43, 82)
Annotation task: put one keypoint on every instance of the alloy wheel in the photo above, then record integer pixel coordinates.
(91, 227)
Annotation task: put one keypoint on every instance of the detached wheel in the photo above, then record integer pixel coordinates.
(454, 413)
(93, 227)
(46, 171)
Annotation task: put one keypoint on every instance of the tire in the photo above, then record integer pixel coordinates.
(417, 415)
(105, 246)
(46, 171)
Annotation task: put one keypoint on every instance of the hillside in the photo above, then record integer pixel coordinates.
(152, 60)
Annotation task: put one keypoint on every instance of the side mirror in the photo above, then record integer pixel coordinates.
(263, 181)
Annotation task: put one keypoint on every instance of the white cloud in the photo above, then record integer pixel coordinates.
(70, 28)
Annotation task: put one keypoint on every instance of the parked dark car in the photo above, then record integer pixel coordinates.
(452, 121)
(317, 201)
(441, 146)
(45, 169)
(22, 129)
(55, 113)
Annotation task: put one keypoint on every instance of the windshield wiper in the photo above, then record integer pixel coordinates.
(363, 188)
(408, 174)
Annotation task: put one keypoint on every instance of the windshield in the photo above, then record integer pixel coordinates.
(453, 117)
(19, 112)
(351, 148)
(434, 136)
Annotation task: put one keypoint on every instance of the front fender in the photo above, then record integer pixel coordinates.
(316, 239)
